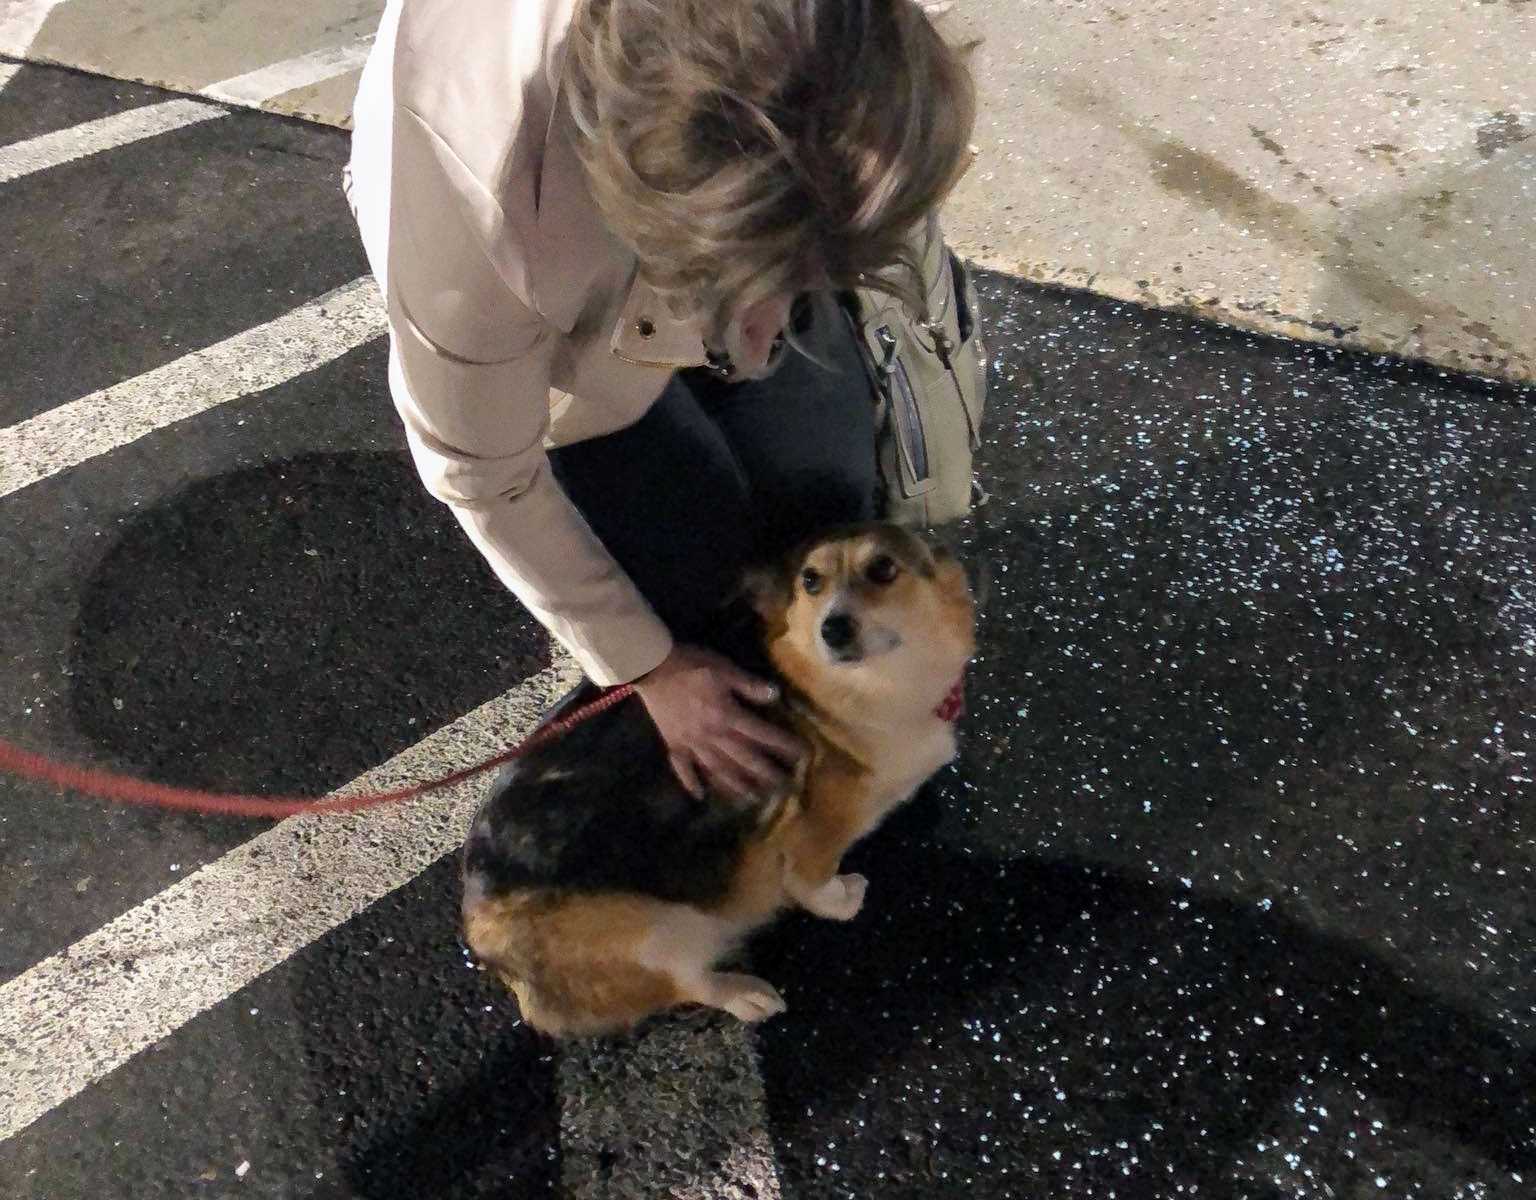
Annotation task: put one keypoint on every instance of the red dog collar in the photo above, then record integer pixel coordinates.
(952, 707)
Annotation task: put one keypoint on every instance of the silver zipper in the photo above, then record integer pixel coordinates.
(887, 341)
(909, 421)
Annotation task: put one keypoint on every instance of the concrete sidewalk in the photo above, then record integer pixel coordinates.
(1358, 173)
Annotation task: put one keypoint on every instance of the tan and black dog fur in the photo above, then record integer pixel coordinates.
(602, 892)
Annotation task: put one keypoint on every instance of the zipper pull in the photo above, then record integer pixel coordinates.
(887, 341)
(942, 346)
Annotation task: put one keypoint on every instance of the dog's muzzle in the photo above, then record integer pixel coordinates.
(840, 635)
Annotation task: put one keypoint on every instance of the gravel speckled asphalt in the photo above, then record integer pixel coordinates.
(1227, 896)
(1230, 889)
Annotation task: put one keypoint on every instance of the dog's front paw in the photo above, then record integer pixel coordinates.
(840, 898)
(746, 996)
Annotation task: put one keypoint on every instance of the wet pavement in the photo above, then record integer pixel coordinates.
(1227, 896)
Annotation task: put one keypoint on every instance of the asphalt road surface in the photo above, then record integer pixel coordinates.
(1228, 895)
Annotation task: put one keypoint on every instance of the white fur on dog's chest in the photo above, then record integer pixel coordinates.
(932, 751)
(911, 760)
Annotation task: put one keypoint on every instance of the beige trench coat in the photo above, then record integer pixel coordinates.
(516, 321)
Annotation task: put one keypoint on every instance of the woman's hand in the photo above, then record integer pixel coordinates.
(695, 698)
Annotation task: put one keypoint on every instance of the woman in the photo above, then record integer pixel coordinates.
(596, 225)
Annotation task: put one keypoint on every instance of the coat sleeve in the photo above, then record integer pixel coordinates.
(469, 373)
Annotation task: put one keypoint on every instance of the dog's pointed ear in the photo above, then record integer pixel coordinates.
(766, 589)
(947, 564)
(923, 553)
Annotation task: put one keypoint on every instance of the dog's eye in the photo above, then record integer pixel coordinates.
(882, 569)
(810, 580)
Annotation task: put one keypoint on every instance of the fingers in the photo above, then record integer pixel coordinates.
(750, 687)
(754, 773)
(687, 775)
(765, 735)
(696, 700)
(727, 772)
(753, 753)
(728, 777)
(754, 758)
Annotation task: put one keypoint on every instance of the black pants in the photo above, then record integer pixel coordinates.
(718, 475)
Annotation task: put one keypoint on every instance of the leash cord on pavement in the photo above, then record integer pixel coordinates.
(125, 789)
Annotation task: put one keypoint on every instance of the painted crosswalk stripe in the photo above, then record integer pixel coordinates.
(107, 133)
(258, 86)
(79, 1015)
(252, 361)
(104, 133)
(19, 22)
(7, 73)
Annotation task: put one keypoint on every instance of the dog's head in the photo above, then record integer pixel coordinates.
(869, 613)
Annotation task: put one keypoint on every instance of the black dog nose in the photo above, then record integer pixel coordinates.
(838, 631)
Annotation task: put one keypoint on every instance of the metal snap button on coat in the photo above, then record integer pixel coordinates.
(645, 327)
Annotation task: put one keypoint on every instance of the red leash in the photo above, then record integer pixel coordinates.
(107, 785)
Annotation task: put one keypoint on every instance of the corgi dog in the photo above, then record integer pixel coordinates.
(602, 892)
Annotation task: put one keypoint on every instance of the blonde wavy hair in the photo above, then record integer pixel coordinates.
(744, 149)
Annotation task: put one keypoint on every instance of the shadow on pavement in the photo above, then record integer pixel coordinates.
(987, 1013)
(289, 626)
(424, 1083)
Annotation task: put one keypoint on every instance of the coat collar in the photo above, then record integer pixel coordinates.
(647, 335)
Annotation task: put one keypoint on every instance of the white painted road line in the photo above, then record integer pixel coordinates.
(105, 133)
(79, 1015)
(8, 73)
(19, 22)
(260, 358)
(265, 83)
